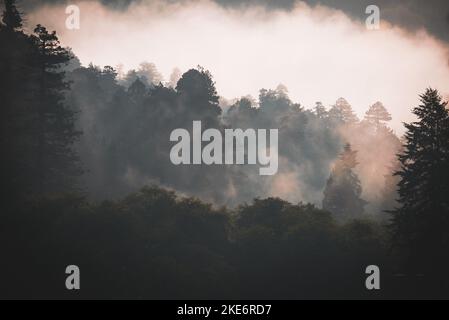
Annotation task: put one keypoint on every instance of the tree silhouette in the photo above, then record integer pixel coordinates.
(343, 188)
(137, 89)
(320, 110)
(11, 17)
(156, 243)
(377, 114)
(54, 129)
(197, 85)
(389, 193)
(421, 224)
(198, 95)
(342, 112)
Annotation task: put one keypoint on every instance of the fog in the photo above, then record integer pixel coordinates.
(318, 53)
(282, 61)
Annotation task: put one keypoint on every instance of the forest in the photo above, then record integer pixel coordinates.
(87, 180)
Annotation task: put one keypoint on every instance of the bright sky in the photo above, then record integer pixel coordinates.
(319, 54)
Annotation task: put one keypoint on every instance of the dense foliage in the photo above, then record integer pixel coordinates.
(80, 145)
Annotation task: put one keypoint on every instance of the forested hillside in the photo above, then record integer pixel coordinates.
(86, 179)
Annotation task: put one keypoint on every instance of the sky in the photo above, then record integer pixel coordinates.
(320, 52)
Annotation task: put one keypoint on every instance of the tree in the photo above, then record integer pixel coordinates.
(137, 89)
(241, 112)
(147, 73)
(320, 110)
(11, 16)
(389, 192)
(343, 188)
(421, 224)
(150, 73)
(54, 130)
(275, 100)
(197, 91)
(17, 53)
(342, 112)
(377, 114)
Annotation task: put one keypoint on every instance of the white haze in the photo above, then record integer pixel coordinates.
(320, 54)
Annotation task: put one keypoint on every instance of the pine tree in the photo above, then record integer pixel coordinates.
(11, 16)
(389, 192)
(421, 224)
(137, 89)
(197, 92)
(377, 114)
(320, 110)
(342, 112)
(17, 53)
(343, 188)
(54, 129)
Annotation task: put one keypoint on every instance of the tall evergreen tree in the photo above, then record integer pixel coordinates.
(17, 53)
(197, 92)
(343, 188)
(320, 110)
(389, 192)
(377, 114)
(54, 129)
(11, 17)
(342, 112)
(137, 89)
(421, 224)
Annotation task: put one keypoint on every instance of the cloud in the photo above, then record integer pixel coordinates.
(317, 52)
(410, 14)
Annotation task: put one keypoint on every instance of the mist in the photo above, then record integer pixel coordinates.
(317, 52)
(281, 61)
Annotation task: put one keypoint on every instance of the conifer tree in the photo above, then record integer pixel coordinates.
(197, 92)
(17, 54)
(389, 192)
(377, 114)
(137, 89)
(54, 129)
(320, 110)
(11, 17)
(421, 223)
(343, 188)
(342, 112)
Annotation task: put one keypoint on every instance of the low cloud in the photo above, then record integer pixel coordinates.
(317, 52)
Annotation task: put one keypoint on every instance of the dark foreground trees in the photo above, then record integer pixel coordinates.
(155, 244)
(38, 128)
(421, 222)
(343, 188)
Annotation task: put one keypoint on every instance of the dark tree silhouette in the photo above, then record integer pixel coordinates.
(37, 127)
(16, 54)
(54, 129)
(157, 244)
(389, 193)
(137, 89)
(421, 223)
(198, 93)
(11, 18)
(343, 189)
